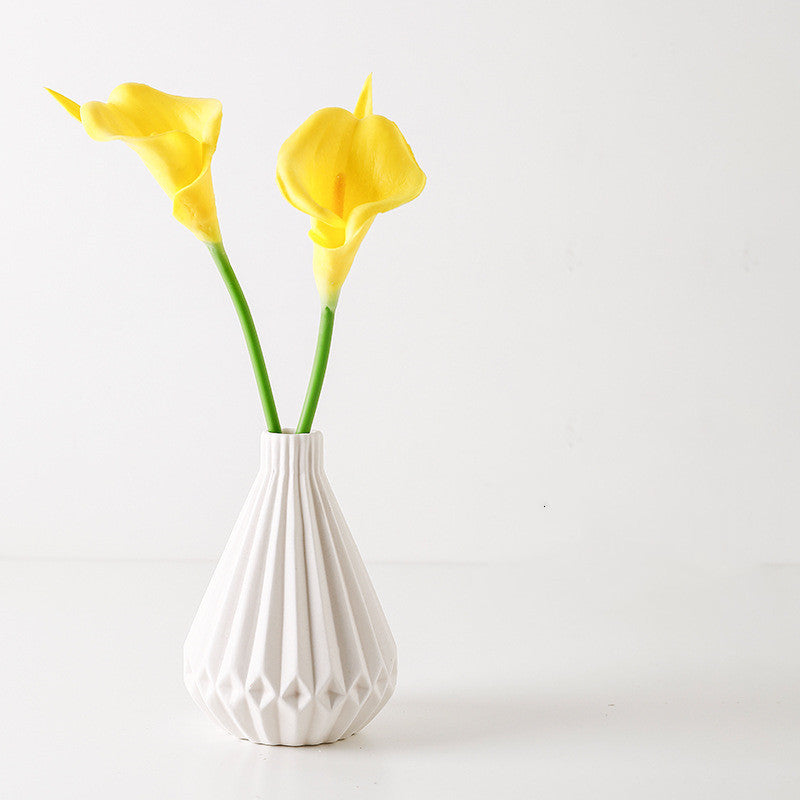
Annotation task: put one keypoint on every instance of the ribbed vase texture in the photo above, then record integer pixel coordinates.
(290, 644)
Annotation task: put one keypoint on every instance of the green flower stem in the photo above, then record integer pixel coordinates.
(251, 336)
(317, 370)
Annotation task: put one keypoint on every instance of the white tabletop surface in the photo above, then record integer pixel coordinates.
(570, 677)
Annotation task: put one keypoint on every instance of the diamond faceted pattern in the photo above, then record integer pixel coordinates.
(290, 599)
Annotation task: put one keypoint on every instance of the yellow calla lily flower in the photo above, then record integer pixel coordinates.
(174, 136)
(343, 170)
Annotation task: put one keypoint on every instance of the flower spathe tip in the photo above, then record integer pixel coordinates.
(364, 102)
(70, 105)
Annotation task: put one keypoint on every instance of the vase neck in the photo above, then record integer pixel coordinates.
(295, 452)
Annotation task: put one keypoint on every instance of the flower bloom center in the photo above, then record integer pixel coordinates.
(338, 195)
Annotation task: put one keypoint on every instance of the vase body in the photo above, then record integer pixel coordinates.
(290, 644)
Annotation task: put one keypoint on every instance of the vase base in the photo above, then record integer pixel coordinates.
(298, 744)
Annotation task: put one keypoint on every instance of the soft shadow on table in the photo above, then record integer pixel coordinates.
(418, 721)
(418, 729)
(421, 721)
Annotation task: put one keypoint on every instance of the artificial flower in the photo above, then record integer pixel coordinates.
(174, 136)
(343, 169)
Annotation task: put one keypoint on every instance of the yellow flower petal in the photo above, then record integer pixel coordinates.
(381, 172)
(174, 136)
(310, 159)
(134, 109)
(364, 102)
(332, 264)
(70, 105)
(343, 169)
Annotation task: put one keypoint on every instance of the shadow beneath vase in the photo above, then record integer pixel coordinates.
(435, 722)
(430, 721)
(427, 738)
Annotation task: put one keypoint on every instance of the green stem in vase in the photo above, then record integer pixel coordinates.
(250, 335)
(317, 370)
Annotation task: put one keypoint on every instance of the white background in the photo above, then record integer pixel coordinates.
(585, 330)
(576, 351)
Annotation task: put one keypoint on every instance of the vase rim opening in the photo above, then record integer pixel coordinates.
(290, 432)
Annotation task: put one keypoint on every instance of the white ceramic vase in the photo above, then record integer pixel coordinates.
(290, 644)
